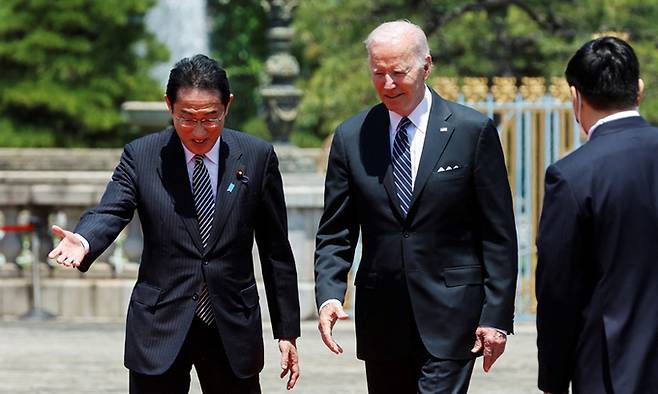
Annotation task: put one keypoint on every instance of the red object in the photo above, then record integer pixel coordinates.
(17, 228)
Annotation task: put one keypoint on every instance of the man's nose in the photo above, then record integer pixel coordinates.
(388, 82)
(199, 130)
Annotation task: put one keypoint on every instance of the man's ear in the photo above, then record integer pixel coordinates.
(640, 91)
(574, 98)
(427, 67)
(170, 107)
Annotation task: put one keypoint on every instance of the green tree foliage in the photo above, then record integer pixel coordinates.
(467, 38)
(66, 66)
(238, 42)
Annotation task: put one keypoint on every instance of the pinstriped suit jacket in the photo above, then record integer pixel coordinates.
(152, 179)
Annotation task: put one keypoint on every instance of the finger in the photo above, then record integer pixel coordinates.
(55, 252)
(497, 350)
(285, 359)
(294, 375)
(330, 343)
(488, 362)
(325, 333)
(67, 261)
(477, 346)
(58, 231)
(340, 314)
(492, 350)
(285, 364)
(62, 259)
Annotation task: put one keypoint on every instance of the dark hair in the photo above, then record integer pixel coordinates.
(198, 72)
(605, 71)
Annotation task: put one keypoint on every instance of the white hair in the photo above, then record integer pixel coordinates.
(390, 32)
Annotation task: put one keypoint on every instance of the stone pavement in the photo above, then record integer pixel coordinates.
(86, 357)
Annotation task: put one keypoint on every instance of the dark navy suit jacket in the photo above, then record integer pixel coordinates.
(455, 251)
(152, 179)
(597, 274)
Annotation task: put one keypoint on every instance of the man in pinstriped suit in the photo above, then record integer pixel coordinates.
(202, 192)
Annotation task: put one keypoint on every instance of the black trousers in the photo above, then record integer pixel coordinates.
(415, 370)
(203, 349)
(427, 375)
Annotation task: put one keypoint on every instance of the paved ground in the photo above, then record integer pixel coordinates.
(66, 357)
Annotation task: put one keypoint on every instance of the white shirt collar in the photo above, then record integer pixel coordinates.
(419, 116)
(212, 155)
(610, 118)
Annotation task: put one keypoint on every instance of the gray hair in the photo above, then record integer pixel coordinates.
(389, 32)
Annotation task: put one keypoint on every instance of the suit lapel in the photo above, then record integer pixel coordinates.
(228, 186)
(376, 152)
(173, 173)
(434, 145)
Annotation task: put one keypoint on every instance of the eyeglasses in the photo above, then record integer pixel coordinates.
(210, 123)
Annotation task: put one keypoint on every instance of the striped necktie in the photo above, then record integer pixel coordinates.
(204, 203)
(402, 165)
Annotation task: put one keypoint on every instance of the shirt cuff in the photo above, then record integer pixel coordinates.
(330, 301)
(83, 241)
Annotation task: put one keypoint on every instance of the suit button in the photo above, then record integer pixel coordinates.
(406, 235)
(195, 297)
(205, 263)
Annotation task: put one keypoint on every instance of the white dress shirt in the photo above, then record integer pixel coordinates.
(211, 160)
(416, 131)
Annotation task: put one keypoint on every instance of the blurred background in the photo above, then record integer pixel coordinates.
(68, 66)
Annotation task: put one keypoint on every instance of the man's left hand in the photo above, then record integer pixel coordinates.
(492, 343)
(289, 361)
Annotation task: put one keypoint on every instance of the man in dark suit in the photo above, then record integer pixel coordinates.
(201, 192)
(424, 181)
(597, 274)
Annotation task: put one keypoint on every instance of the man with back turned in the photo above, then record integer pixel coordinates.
(597, 274)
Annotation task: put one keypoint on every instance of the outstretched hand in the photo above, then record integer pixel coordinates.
(329, 314)
(69, 252)
(289, 361)
(492, 344)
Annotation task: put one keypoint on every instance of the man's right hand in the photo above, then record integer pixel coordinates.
(329, 314)
(69, 252)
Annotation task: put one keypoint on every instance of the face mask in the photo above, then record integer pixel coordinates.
(578, 110)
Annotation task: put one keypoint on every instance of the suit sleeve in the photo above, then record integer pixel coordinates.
(560, 283)
(497, 231)
(276, 258)
(338, 231)
(102, 224)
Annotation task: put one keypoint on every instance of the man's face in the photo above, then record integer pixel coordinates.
(198, 116)
(397, 76)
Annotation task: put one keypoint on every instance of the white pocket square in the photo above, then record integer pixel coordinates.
(449, 168)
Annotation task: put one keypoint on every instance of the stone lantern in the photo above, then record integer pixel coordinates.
(280, 96)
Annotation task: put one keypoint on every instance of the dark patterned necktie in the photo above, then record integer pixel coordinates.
(204, 203)
(402, 165)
